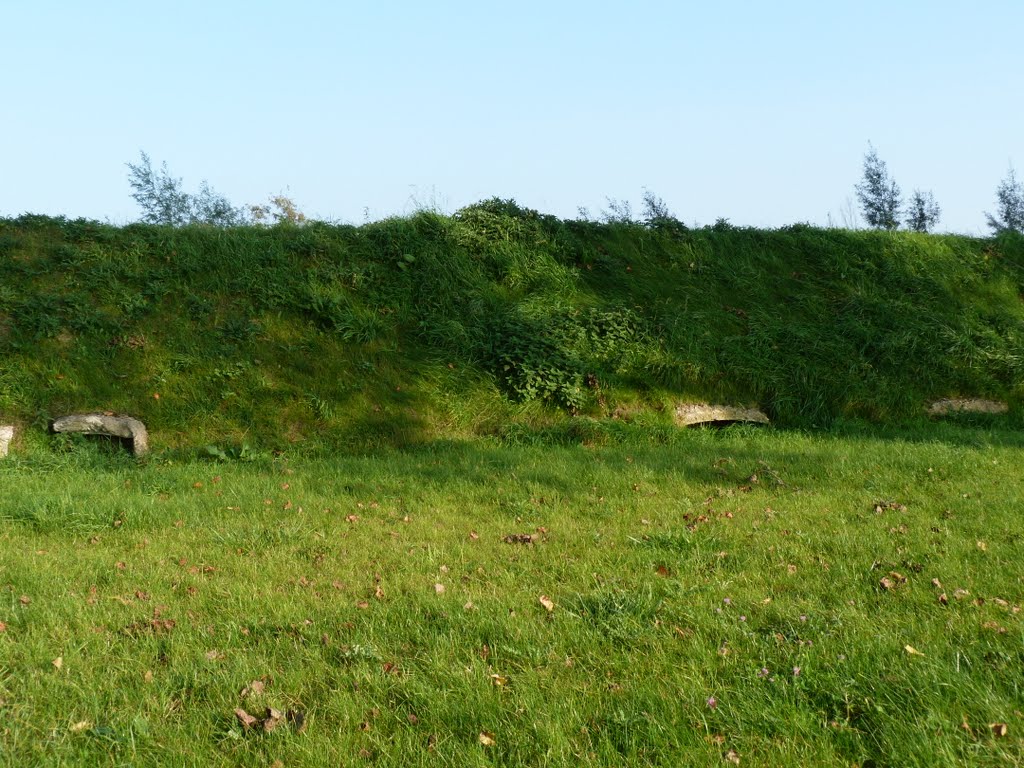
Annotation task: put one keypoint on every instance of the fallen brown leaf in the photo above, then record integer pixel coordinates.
(547, 603)
(81, 725)
(58, 663)
(247, 720)
(273, 718)
(999, 730)
(439, 588)
(486, 738)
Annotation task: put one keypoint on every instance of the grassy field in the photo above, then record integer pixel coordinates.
(700, 598)
(416, 497)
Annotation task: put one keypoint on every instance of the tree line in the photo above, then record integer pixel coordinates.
(163, 200)
(883, 206)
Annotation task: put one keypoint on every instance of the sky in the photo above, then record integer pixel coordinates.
(758, 112)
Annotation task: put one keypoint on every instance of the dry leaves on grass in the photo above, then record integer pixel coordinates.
(519, 538)
(271, 719)
(892, 581)
(548, 604)
(889, 506)
(486, 738)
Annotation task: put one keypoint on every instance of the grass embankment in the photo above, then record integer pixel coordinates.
(490, 321)
(683, 598)
(718, 597)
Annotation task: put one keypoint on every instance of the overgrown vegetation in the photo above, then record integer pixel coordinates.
(411, 329)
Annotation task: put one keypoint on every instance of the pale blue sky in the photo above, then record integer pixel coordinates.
(759, 112)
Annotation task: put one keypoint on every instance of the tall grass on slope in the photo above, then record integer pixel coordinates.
(410, 329)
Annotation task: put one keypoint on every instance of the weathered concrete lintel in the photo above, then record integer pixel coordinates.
(6, 437)
(124, 427)
(693, 414)
(966, 405)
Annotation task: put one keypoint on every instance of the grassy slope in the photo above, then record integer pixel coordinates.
(165, 589)
(406, 330)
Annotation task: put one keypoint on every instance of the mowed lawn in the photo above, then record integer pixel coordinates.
(740, 596)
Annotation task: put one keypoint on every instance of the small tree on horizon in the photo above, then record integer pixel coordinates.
(922, 212)
(1010, 205)
(163, 201)
(879, 195)
(656, 214)
(618, 212)
(158, 193)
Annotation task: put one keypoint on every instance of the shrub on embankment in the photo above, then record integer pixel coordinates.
(430, 326)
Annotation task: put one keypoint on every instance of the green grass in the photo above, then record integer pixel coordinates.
(409, 330)
(355, 428)
(677, 576)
